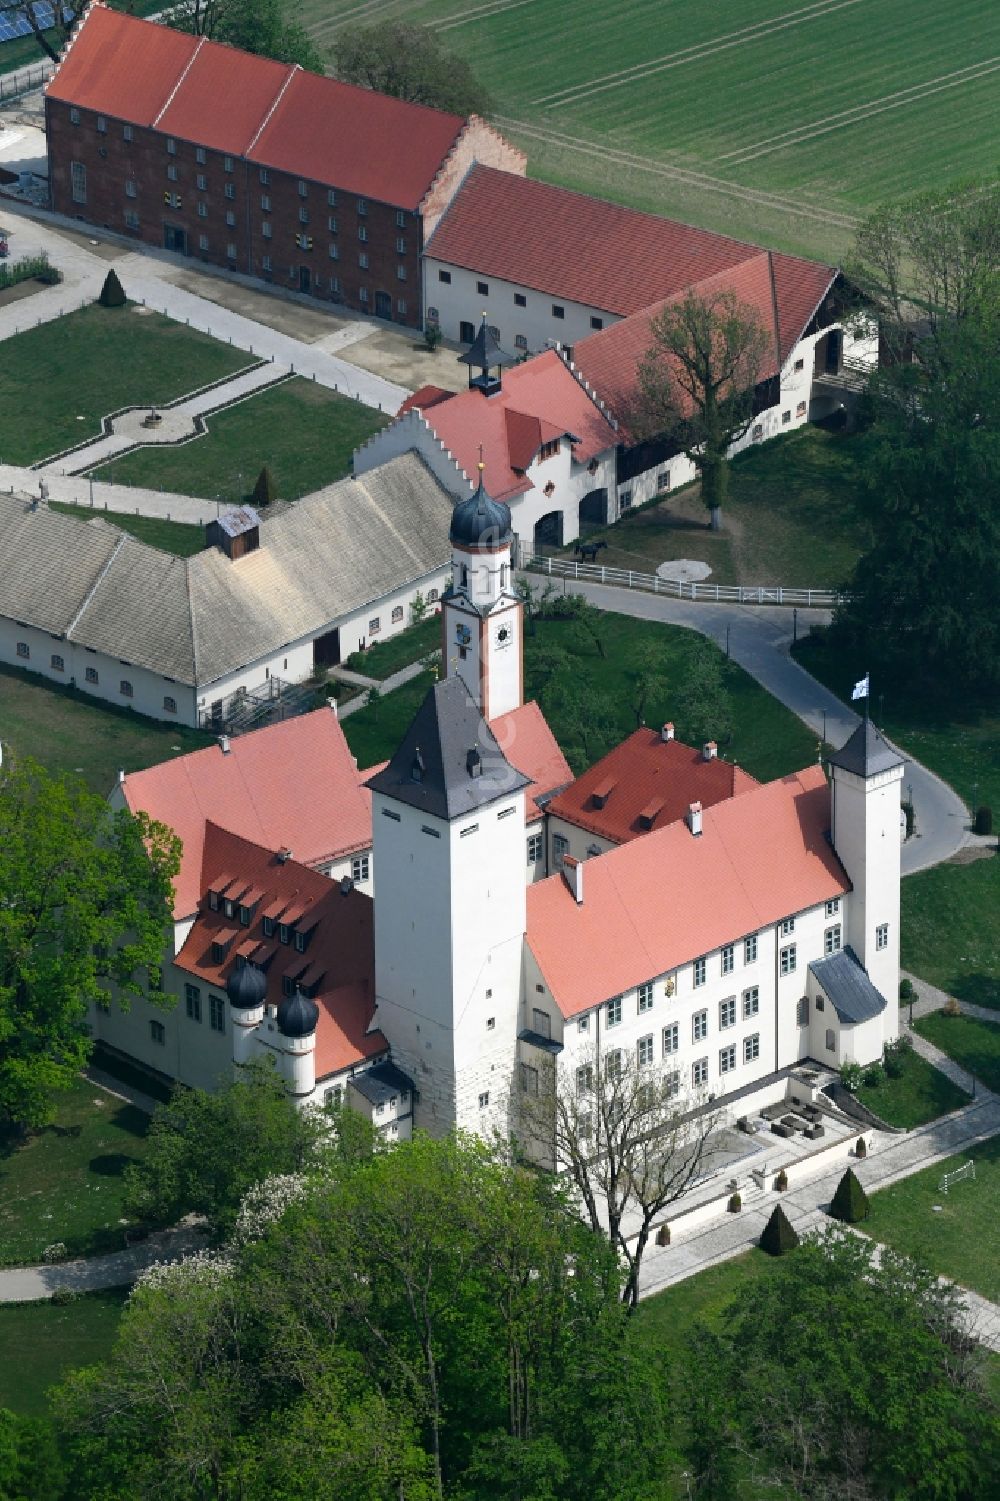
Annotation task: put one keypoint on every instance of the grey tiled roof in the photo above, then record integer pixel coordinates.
(199, 619)
(846, 983)
(866, 753)
(379, 1083)
(431, 769)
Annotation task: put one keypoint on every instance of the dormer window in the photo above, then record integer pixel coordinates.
(229, 908)
(244, 916)
(284, 932)
(287, 985)
(213, 900)
(548, 451)
(218, 952)
(417, 767)
(268, 927)
(300, 942)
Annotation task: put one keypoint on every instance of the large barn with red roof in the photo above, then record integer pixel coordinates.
(258, 166)
(427, 939)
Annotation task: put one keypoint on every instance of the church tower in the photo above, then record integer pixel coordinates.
(450, 911)
(482, 617)
(866, 774)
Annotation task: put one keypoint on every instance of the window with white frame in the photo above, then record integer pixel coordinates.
(374, 625)
(484, 1099)
(131, 219)
(751, 1048)
(644, 995)
(613, 1011)
(671, 1039)
(727, 1012)
(831, 1041)
(671, 1084)
(131, 188)
(560, 849)
(613, 1063)
(78, 182)
(750, 949)
(92, 675)
(788, 926)
(529, 1078)
(882, 936)
(833, 907)
(751, 1001)
(583, 1024)
(831, 940)
(534, 848)
(727, 1059)
(397, 614)
(699, 971)
(56, 663)
(728, 959)
(644, 1051)
(787, 959)
(699, 1072)
(23, 649)
(585, 1078)
(699, 1026)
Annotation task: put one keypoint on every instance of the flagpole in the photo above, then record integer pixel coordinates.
(868, 697)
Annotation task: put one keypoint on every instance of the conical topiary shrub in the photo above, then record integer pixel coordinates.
(850, 1202)
(112, 292)
(778, 1236)
(263, 490)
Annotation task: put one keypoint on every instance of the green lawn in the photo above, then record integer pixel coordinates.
(666, 1319)
(951, 929)
(58, 380)
(169, 536)
(959, 1239)
(386, 657)
(701, 111)
(791, 519)
(921, 1093)
(66, 730)
(305, 434)
(65, 1182)
(768, 741)
(40, 1343)
(973, 1043)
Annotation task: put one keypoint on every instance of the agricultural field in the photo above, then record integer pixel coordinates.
(772, 120)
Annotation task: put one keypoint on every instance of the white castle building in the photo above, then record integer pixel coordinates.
(723, 932)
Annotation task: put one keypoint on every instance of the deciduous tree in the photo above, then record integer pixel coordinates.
(408, 61)
(84, 918)
(697, 380)
(701, 705)
(260, 26)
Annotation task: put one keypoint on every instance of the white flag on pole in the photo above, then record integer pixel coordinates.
(861, 688)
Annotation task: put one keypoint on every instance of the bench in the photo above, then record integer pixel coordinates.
(780, 1129)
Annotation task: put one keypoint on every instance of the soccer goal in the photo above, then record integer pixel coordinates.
(967, 1170)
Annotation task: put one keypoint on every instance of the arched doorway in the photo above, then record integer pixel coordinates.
(594, 508)
(549, 530)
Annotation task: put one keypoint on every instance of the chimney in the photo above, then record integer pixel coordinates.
(572, 870)
(667, 733)
(332, 704)
(694, 818)
(224, 744)
(284, 855)
(474, 763)
(346, 886)
(121, 776)
(709, 750)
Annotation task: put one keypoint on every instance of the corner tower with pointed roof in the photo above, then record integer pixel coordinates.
(481, 615)
(866, 774)
(448, 838)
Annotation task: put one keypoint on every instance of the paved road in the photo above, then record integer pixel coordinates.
(27, 1284)
(758, 638)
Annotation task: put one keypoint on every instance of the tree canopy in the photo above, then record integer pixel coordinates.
(260, 26)
(85, 897)
(408, 61)
(697, 382)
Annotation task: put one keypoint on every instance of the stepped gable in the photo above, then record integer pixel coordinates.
(449, 762)
(654, 904)
(645, 783)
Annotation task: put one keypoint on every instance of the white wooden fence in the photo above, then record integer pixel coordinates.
(730, 594)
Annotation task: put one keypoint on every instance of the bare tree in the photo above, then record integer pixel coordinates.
(697, 382)
(50, 26)
(629, 1139)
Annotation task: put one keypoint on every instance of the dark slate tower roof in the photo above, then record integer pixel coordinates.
(484, 352)
(480, 521)
(246, 987)
(866, 753)
(449, 762)
(297, 1015)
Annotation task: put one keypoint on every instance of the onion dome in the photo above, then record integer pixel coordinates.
(246, 987)
(481, 521)
(297, 1015)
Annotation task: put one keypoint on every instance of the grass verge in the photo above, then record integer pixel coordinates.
(951, 932)
(67, 731)
(50, 1341)
(65, 1182)
(953, 1233)
(920, 1093)
(972, 1043)
(303, 432)
(386, 657)
(58, 380)
(169, 536)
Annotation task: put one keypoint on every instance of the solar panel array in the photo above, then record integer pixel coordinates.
(14, 23)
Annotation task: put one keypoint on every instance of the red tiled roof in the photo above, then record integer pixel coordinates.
(570, 245)
(545, 401)
(656, 903)
(530, 746)
(120, 66)
(340, 950)
(646, 775)
(424, 397)
(610, 359)
(290, 786)
(365, 143)
(279, 116)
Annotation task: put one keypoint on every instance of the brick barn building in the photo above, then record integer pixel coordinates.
(306, 182)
